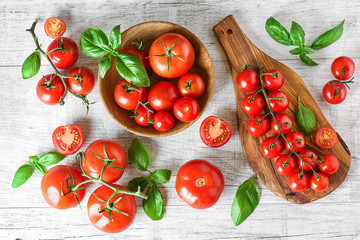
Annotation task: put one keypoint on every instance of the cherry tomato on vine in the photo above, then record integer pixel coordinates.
(330, 164)
(271, 147)
(191, 85)
(308, 160)
(334, 92)
(127, 95)
(84, 81)
(248, 80)
(253, 105)
(288, 168)
(162, 96)
(144, 116)
(136, 48)
(343, 68)
(298, 182)
(54, 27)
(285, 122)
(320, 183)
(186, 109)
(163, 121)
(199, 183)
(64, 58)
(273, 79)
(68, 139)
(326, 138)
(297, 141)
(258, 125)
(56, 184)
(52, 93)
(215, 132)
(279, 101)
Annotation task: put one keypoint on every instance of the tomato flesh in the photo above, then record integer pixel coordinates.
(326, 138)
(68, 139)
(54, 27)
(215, 132)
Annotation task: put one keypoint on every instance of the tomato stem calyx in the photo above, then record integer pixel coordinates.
(168, 53)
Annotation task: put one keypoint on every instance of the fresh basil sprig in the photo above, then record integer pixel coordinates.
(296, 37)
(305, 119)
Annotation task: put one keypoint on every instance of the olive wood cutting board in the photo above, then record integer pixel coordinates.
(240, 51)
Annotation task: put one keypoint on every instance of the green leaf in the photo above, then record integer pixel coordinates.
(33, 159)
(94, 42)
(277, 31)
(295, 51)
(161, 175)
(22, 175)
(307, 60)
(31, 65)
(305, 119)
(154, 204)
(132, 69)
(115, 37)
(328, 37)
(140, 181)
(139, 155)
(105, 64)
(306, 50)
(246, 199)
(40, 168)
(297, 34)
(51, 158)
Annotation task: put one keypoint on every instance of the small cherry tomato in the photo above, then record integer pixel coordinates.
(248, 80)
(50, 93)
(343, 68)
(279, 101)
(83, 81)
(144, 116)
(191, 85)
(288, 168)
(285, 122)
(68, 139)
(137, 49)
(273, 79)
(54, 27)
(186, 109)
(298, 182)
(66, 57)
(127, 95)
(271, 147)
(258, 125)
(253, 105)
(329, 165)
(215, 132)
(319, 183)
(162, 96)
(326, 138)
(334, 92)
(163, 121)
(308, 160)
(297, 141)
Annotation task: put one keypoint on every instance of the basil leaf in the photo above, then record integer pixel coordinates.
(31, 65)
(306, 50)
(51, 158)
(328, 37)
(40, 168)
(139, 155)
(297, 34)
(161, 175)
(115, 37)
(277, 31)
(33, 159)
(307, 60)
(246, 199)
(295, 51)
(94, 42)
(305, 119)
(105, 64)
(22, 175)
(140, 181)
(154, 204)
(132, 69)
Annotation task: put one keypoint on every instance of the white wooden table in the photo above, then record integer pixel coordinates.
(26, 124)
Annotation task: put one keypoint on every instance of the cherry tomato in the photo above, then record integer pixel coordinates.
(56, 185)
(215, 132)
(320, 183)
(84, 81)
(279, 101)
(253, 105)
(343, 68)
(137, 49)
(285, 122)
(248, 80)
(144, 116)
(334, 93)
(273, 79)
(111, 152)
(326, 138)
(258, 125)
(288, 168)
(99, 212)
(297, 141)
(191, 85)
(163, 121)
(54, 27)
(127, 95)
(63, 58)
(186, 109)
(162, 96)
(68, 139)
(171, 55)
(330, 164)
(271, 147)
(308, 160)
(298, 182)
(199, 183)
(52, 94)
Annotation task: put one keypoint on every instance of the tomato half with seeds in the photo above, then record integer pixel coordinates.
(258, 125)
(334, 92)
(248, 80)
(127, 95)
(83, 81)
(298, 182)
(186, 109)
(285, 122)
(343, 68)
(253, 104)
(326, 138)
(279, 101)
(68, 139)
(288, 168)
(307, 160)
(319, 183)
(163, 121)
(50, 93)
(191, 85)
(215, 132)
(66, 57)
(297, 142)
(329, 164)
(271, 147)
(54, 27)
(273, 79)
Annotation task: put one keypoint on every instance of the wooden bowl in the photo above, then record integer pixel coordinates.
(148, 32)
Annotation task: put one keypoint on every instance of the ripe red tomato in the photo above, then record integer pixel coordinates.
(199, 183)
(81, 85)
(273, 79)
(257, 127)
(253, 105)
(308, 160)
(68, 139)
(288, 168)
(215, 132)
(127, 95)
(57, 182)
(163, 121)
(99, 212)
(285, 122)
(54, 27)
(171, 55)
(271, 147)
(334, 93)
(298, 182)
(279, 101)
(191, 85)
(50, 95)
(144, 117)
(297, 141)
(326, 138)
(319, 184)
(330, 164)
(248, 80)
(343, 68)
(107, 150)
(136, 49)
(66, 58)
(186, 109)
(162, 96)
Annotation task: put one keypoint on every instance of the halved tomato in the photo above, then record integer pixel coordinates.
(326, 138)
(68, 139)
(54, 27)
(215, 132)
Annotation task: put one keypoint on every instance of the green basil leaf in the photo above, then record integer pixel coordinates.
(94, 42)
(31, 65)
(305, 119)
(297, 34)
(277, 31)
(328, 37)
(51, 158)
(132, 69)
(246, 199)
(140, 181)
(40, 168)
(307, 51)
(295, 51)
(139, 155)
(154, 204)
(22, 175)
(33, 159)
(161, 175)
(115, 37)
(307, 60)
(105, 64)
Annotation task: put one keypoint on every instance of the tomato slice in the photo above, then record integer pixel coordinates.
(215, 132)
(68, 139)
(54, 27)
(326, 138)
